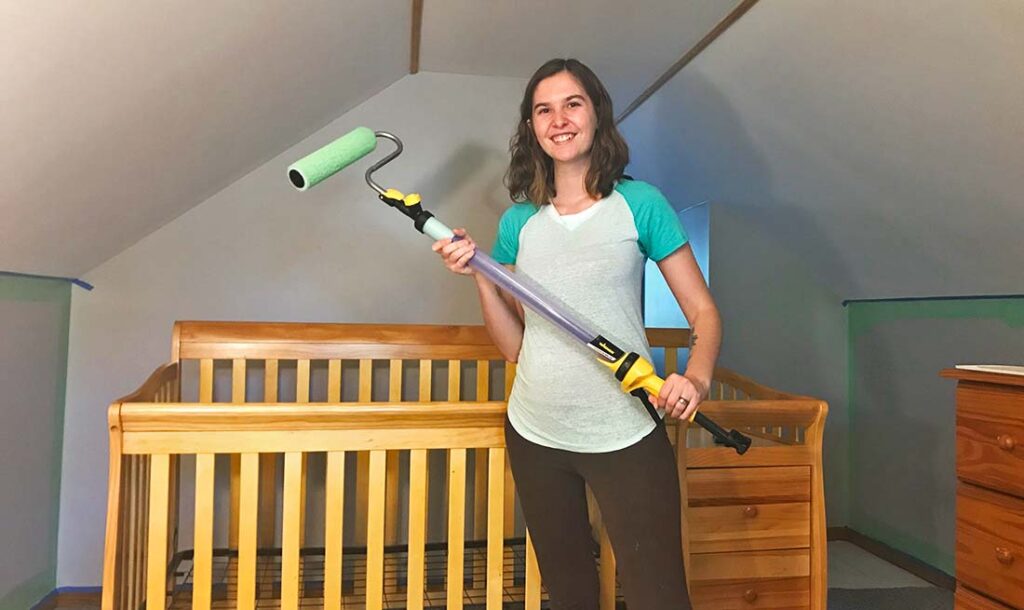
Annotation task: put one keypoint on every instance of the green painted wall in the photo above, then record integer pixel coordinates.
(902, 414)
(34, 322)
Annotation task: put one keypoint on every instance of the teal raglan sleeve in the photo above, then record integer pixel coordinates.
(657, 223)
(506, 245)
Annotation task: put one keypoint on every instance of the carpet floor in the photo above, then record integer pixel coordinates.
(902, 598)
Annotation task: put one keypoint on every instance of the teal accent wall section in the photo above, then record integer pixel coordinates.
(34, 325)
(902, 414)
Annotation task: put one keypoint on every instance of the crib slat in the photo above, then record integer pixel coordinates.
(391, 523)
(495, 527)
(456, 525)
(302, 382)
(237, 397)
(202, 562)
(334, 381)
(375, 531)
(365, 379)
(206, 380)
(334, 513)
(425, 394)
(362, 457)
(480, 458)
(156, 550)
(134, 525)
(454, 379)
(302, 397)
(268, 467)
(145, 480)
(417, 527)
(249, 505)
(607, 571)
(671, 360)
(483, 379)
(426, 367)
(270, 380)
(238, 380)
(532, 576)
(290, 531)
(454, 395)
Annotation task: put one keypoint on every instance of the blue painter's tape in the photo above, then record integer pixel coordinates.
(976, 297)
(73, 280)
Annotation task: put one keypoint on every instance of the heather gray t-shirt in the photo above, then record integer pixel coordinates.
(563, 397)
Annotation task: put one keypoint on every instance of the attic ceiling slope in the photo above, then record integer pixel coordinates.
(884, 150)
(119, 116)
(628, 44)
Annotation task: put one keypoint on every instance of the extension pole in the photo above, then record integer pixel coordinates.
(635, 373)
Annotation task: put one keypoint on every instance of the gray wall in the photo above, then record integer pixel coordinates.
(783, 323)
(902, 415)
(784, 329)
(33, 364)
(259, 250)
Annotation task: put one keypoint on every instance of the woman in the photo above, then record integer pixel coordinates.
(583, 232)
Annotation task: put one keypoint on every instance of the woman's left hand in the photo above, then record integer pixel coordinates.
(680, 396)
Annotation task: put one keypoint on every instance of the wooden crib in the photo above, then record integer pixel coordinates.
(278, 465)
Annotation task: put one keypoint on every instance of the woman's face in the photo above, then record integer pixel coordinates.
(563, 118)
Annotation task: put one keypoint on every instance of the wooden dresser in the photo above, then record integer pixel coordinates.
(990, 490)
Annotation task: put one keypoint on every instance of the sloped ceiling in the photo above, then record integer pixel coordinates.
(881, 142)
(628, 44)
(119, 116)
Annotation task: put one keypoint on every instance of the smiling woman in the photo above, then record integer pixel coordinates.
(568, 119)
(583, 231)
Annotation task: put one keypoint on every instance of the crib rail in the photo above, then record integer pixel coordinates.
(163, 432)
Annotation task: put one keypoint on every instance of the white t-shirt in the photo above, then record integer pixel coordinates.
(593, 262)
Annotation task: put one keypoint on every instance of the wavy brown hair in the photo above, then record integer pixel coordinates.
(531, 174)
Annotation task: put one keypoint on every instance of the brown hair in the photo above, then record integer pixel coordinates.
(531, 175)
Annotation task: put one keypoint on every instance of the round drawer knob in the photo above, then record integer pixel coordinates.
(750, 512)
(750, 595)
(1006, 442)
(1004, 555)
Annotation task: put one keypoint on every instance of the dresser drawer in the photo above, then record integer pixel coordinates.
(707, 568)
(745, 486)
(748, 527)
(990, 543)
(766, 593)
(969, 600)
(990, 436)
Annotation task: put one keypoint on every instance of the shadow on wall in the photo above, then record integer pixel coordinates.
(774, 271)
(693, 144)
(697, 147)
(472, 172)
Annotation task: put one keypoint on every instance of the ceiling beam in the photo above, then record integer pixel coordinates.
(689, 56)
(417, 30)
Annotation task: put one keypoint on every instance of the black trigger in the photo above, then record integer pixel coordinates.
(644, 398)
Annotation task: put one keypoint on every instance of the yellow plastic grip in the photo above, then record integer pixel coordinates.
(394, 194)
(412, 199)
(640, 375)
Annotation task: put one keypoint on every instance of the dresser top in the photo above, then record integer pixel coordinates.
(983, 377)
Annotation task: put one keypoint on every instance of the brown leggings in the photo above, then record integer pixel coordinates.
(637, 490)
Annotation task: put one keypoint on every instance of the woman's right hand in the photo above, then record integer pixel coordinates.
(456, 253)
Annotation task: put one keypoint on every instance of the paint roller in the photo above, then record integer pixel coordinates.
(635, 373)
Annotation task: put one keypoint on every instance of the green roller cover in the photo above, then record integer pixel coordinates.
(336, 156)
